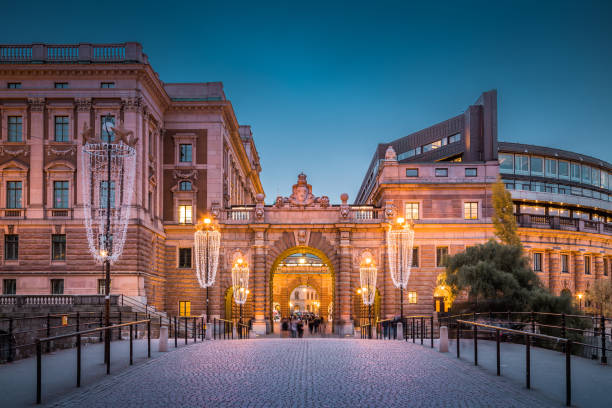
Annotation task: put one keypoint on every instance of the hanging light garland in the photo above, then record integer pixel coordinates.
(400, 240)
(206, 242)
(367, 277)
(240, 281)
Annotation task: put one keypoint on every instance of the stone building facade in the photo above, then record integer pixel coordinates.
(193, 158)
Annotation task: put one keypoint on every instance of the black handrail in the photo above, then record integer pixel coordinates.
(78, 334)
(528, 336)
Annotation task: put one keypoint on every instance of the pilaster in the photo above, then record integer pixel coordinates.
(36, 179)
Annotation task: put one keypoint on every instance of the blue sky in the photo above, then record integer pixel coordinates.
(321, 83)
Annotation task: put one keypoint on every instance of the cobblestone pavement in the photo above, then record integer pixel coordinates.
(305, 373)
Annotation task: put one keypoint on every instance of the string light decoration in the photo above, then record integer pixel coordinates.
(107, 188)
(206, 245)
(107, 182)
(400, 240)
(330, 311)
(240, 283)
(367, 277)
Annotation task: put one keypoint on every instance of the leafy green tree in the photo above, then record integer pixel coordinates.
(503, 215)
(600, 297)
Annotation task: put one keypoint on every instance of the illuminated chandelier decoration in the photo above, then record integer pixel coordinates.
(240, 281)
(107, 187)
(367, 276)
(400, 240)
(206, 244)
(330, 311)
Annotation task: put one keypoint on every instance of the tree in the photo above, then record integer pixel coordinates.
(600, 297)
(498, 277)
(503, 215)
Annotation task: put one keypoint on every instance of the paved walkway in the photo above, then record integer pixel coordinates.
(305, 373)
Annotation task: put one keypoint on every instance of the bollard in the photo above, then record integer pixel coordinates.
(400, 329)
(443, 346)
(163, 339)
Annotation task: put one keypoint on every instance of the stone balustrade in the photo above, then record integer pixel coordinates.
(82, 53)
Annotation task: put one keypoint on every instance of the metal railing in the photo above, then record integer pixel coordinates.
(223, 329)
(22, 300)
(552, 324)
(366, 331)
(528, 336)
(78, 335)
(193, 327)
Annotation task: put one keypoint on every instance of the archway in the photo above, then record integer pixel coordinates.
(304, 299)
(301, 267)
(443, 299)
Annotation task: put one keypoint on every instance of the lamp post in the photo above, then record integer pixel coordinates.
(400, 239)
(107, 185)
(240, 283)
(206, 243)
(367, 276)
(579, 295)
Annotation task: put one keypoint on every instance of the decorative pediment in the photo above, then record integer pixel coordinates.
(14, 165)
(302, 196)
(60, 166)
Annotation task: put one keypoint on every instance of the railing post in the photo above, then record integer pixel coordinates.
(475, 345)
(568, 373)
(10, 340)
(458, 339)
(195, 333)
(527, 362)
(78, 360)
(563, 334)
(38, 371)
(215, 328)
(413, 334)
(101, 324)
(136, 319)
(185, 320)
(497, 341)
(203, 328)
(78, 322)
(175, 333)
(422, 329)
(109, 353)
(119, 338)
(149, 339)
(432, 331)
(131, 344)
(602, 327)
(48, 332)
(533, 322)
(508, 316)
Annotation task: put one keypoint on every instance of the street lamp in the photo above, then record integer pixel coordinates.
(206, 243)
(400, 239)
(579, 295)
(367, 276)
(107, 185)
(240, 283)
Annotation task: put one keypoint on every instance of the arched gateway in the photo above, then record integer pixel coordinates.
(330, 241)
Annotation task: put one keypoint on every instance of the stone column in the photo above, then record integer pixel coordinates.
(578, 272)
(36, 182)
(82, 118)
(259, 278)
(597, 266)
(344, 324)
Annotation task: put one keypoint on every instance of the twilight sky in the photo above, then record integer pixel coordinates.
(321, 83)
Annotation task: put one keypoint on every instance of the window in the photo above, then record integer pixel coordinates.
(454, 138)
(415, 257)
(412, 172)
(441, 256)
(537, 261)
(551, 168)
(441, 172)
(521, 164)
(185, 186)
(575, 172)
(185, 214)
(107, 123)
(61, 129)
(61, 85)
(102, 286)
(432, 146)
(471, 172)
(57, 286)
(184, 308)
(11, 247)
(13, 194)
(537, 166)
(9, 286)
(107, 85)
(14, 129)
(587, 264)
(605, 266)
(184, 258)
(564, 169)
(58, 247)
(564, 263)
(412, 297)
(185, 153)
(60, 194)
(470, 211)
(586, 174)
(506, 163)
(595, 177)
(13, 85)
(412, 211)
(104, 194)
